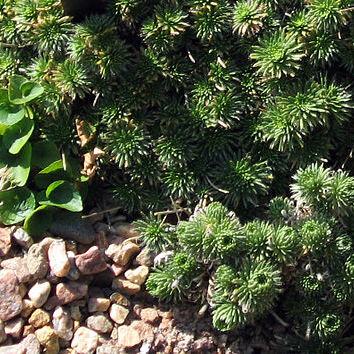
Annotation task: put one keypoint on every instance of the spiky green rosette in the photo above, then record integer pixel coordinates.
(173, 281)
(155, 234)
(277, 54)
(211, 234)
(242, 295)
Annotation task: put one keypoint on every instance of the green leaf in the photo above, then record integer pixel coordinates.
(62, 194)
(15, 84)
(18, 165)
(51, 174)
(39, 220)
(45, 153)
(30, 91)
(10, 114)
(16, 205)
(22, 91)
(3, 128)
(4, 97)
(16, 136)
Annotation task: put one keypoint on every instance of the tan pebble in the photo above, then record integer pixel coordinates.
(98, 304)
(149, 315)
(125, 286)
(114, 333)
(118, 313)
(5, 240)
(46, 242)
(76, 326)
(39, 292)
(27, 307)
(48, 339)
(112, 250)
(119, 299)
(23, 290)
(28, 330)
(117, 269)
(39, 318)
(99, 323)
(145, 330)
(165, 314)
(58, 259)
(137, 275)
(85, 341)
(128, 337)
(14, 327)
(126, 252)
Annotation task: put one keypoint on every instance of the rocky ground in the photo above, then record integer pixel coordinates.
(80, 289)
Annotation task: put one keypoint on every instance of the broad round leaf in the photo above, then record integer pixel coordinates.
(50, 174)
(30, 90)
(39, 220)
(16, 136)
(18, 165)
(63, 194)
(45, 153)
(22, 91)
(11, 114)
(16, 205)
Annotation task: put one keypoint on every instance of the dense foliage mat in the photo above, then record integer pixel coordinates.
(188, 99)
(297, 259)
(159, 102)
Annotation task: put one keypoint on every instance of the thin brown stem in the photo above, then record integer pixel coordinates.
(169, 212)
(100, 212)
(281, 321)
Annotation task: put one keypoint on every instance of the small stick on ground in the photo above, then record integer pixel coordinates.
(100, 212)
(169, 212)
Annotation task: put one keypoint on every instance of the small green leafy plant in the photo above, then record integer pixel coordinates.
(33, 180)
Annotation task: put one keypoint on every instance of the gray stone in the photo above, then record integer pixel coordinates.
(22, 238)
(62, 323)
(99, 323)
(3, 335)
(71, 226)
(37, 261)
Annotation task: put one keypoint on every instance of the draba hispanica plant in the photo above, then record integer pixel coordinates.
(189, 99)
(296, 259)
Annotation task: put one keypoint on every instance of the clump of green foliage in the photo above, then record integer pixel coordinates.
(190, 99)
(23, 154)
(296, 258)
